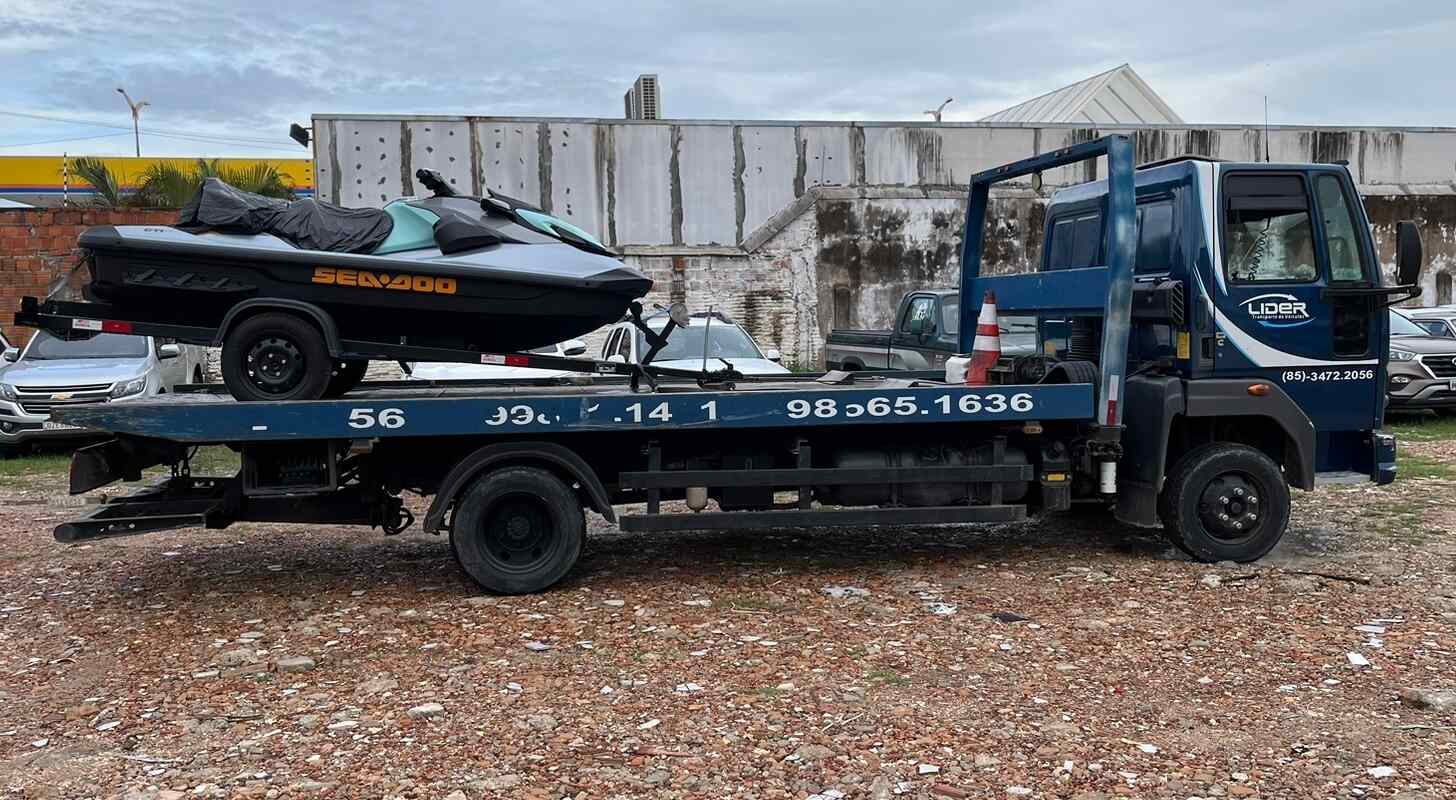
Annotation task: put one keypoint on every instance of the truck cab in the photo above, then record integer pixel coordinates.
(1258, 312)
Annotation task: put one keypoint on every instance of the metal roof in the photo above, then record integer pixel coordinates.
(1115, 97)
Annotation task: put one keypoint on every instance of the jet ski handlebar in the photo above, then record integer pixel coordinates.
(431, 180)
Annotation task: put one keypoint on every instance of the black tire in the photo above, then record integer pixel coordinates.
(275, 356)
(517, 530)
(347, 374)
(1225, 502)
(1072, 372)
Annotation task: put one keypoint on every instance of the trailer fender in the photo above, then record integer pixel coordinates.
(1151, 407)
(315, 314)
(543, 453)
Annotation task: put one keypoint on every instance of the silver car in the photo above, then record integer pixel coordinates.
(107, 368)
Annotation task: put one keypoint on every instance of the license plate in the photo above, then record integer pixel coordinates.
(59, 426)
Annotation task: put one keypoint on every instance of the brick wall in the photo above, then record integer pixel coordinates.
(36, 246)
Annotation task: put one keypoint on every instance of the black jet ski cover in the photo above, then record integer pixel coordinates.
(307, 223)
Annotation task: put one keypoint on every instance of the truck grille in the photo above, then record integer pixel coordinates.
(1440, 366)
(40, 400)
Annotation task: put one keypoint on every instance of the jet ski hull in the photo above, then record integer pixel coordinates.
(505, 298)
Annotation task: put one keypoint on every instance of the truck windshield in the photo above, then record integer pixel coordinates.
(725, 340)
(45, 347)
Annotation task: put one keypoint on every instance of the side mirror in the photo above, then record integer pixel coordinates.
(617, 358)
(12, 354)
(1407, 253)
(575, 347)
(773, 354)
(917, 326)
(168, 351)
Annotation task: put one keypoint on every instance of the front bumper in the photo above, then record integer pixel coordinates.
(1417, 384)
(1423, 393)
(18, 427)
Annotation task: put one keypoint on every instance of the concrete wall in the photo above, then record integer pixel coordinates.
(790, 226)
(712, 183)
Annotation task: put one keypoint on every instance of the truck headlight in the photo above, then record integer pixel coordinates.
(129, 388)
(1401, 355)
(7, 391)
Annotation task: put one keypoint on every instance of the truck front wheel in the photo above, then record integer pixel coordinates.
(517, 530)
(1225, 502)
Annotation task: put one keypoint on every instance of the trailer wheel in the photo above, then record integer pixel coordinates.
(346, 375)
(1225, 502)
(517, 530)
(275, 356)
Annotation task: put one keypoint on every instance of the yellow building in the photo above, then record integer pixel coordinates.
(47, 181)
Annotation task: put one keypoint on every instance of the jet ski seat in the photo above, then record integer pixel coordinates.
(414, 229)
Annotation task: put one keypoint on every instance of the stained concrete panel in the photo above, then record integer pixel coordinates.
(443, 146)
(511, 158)
(644, 193)
(827, 155)
(705, 172)
(770, 163)
(370, 161)
(574, 176)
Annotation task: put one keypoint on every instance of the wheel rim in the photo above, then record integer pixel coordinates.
(519, 534)
(275, 365)
(1231, 506)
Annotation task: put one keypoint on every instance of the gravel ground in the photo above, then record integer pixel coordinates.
(1065, 659)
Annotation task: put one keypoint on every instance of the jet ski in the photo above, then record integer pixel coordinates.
(420, 279)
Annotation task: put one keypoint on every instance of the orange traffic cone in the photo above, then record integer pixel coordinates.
(987, 349)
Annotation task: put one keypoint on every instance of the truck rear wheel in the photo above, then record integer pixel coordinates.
(517, 530)
(1225, 502)
(275, 357)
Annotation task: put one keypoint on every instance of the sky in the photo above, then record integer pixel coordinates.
(226, 78)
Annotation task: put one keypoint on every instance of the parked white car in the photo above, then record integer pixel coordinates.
(441, 371)
(725, 340)
(1439, 321)
(50, 373)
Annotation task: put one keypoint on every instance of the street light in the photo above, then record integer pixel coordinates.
(136, 111)
(934, 113)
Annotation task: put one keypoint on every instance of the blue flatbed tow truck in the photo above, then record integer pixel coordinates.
(1191, 369)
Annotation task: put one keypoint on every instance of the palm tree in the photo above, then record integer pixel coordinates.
(94, 172)
(168, 184)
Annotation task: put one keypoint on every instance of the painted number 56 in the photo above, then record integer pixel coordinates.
(363, 418)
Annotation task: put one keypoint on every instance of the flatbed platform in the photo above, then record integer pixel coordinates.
(441, 410)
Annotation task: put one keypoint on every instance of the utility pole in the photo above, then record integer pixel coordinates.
(136, 111)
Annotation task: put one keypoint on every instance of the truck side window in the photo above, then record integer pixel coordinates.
(1268, 237)
(1155, 236)
(950, 317)
(1434, 327)
(1076, 242)
(919, 316)
(1346, 258)
(610, 344)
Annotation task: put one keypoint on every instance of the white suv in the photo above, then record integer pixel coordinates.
(1439, 321)
(725, 340)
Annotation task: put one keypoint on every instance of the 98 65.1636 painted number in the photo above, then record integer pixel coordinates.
(906, 406)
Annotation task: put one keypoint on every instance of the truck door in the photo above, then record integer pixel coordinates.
(912, 342)
(1291, 241)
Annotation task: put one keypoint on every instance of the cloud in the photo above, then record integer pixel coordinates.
(244, 71)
